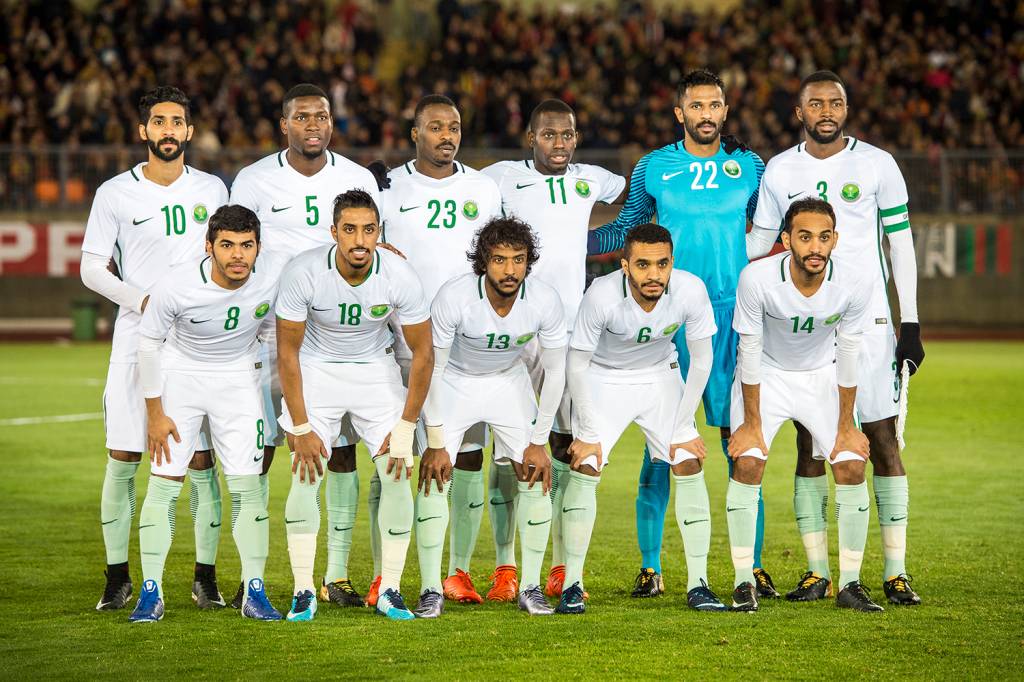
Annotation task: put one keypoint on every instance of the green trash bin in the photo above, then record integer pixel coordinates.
(84, 313)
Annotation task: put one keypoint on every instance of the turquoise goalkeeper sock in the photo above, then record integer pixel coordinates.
(652, 497)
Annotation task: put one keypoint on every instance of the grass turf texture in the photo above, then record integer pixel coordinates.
(964, 551)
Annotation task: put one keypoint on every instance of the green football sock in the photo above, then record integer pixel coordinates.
(431, 524)
(156, 526)
(250, 525)
(117, 507)
(853, 512)
(373, 502)
(533, 517)
(693, 515)
(892, 497)
(395, 523)
(559, 480)
(810, 500)
(741, 514)
(466, 501)
(342, 502)
(205, 505)
(579, 510)
(502, 487)
(263, 480)
(302, 524)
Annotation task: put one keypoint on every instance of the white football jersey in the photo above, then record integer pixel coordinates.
(799, 331)
(868, 194)
(558, 208)
(207, 327)
(433, 221)
(346, 323)
(463, 319)
(148, 228)
(296, 211)
(623, 336)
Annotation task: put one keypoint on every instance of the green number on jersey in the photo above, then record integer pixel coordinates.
(498, 341)
(312, 211)
(551, 188)
(354, 313)
(259, 433)
(449, 217)
(644, 335)
(232, 320)
(807, 326)
(822, 190)
(174, 216)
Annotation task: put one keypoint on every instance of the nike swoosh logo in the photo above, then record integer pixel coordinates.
(790, 196)
(217, 525)
(404, 532)
(863, 509)
(342, 530)
(476, 506)
(499, 502)
(891, 518)
(322, 310)
(107, 523)
(574, 604)
(136, 221)
(262, 518)
(194, 321)
(256, 459)
(518, 186)
(802, 518)
(295, 521)
(148, 525)
(687, 523)
(669, 176)
(424, 519)
(732, 509)
(403, 209)
(538, 523)
(275, 209)
(566, 511)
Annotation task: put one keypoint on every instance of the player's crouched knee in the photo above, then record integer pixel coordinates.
(749, 466)
(848, 468)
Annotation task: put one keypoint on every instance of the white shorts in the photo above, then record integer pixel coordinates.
(504, 401)
(270, 388)
(878, 381)
(650, 399)
(811, 398)
(230, 403)
(531, 356)
(371, 394)
(124, 411)
(476, 437)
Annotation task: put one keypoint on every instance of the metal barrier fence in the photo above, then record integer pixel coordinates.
(39, 180)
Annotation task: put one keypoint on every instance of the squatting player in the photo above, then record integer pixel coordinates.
(867, 191)
(800, 317)
(148, 219)
(703, 188)
(433, 208)
(555, 197)
(210, 310)
(335, 359)
(481, 323)
(623, 368)
(291, 191)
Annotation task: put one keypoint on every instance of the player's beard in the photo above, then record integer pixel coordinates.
(802, 264)
(821, 138)
(699, 137)
(159, 153)
(636, 285)
(501, 292)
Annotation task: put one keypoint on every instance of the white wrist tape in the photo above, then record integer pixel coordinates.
(401, 440)
(301, 429)
(435, 437)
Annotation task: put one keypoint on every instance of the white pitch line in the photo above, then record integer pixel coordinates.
(55, 419)
(55, 380)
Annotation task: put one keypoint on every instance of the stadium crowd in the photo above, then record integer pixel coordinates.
(947, 77)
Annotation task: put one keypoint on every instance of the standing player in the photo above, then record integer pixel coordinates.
(291, 192)
(481, 324)
(555, 197)
(335, 359)
(623, 367)
(148, 219)
(438, 205)
(703, 188)
(800, 317)
(866, 189)
(210, 312)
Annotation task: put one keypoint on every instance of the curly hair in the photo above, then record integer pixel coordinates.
(503, 231)
(232, 218)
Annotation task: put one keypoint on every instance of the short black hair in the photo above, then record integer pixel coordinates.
(819, 77)
(808, 205)
(354, 198)
(647, 233)
(551, 106)
(698, 77)
(302, 90)
(502, 231)
(163, 93)
(430, 100)
(232, 218)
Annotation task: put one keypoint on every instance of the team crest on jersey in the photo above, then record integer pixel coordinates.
(670, 329)
(379, 311)
(524, 339)
(832, 319)
(261, 310)
(471, 210)
(850, 192)
(199, 213)
(732, 168)
(583, 188)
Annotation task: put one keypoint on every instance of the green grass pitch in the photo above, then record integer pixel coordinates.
(965, 551)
